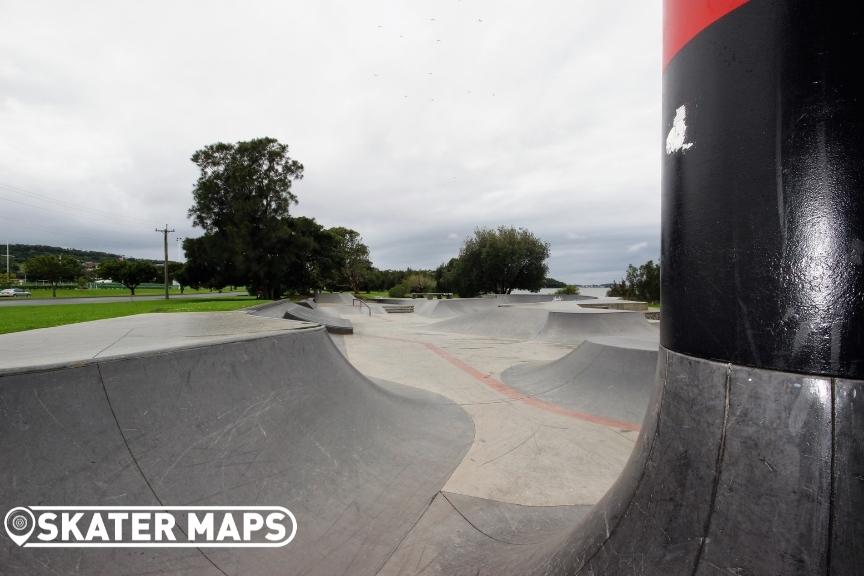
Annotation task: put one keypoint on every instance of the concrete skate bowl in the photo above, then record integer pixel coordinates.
(572, 328)
(334, 323)
(537, 323)
(513, 323)
(612, 378)
(456, 307)
(335, 298)
(532, 298)
(278, 420)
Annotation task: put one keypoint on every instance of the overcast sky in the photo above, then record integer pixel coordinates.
(415, 121)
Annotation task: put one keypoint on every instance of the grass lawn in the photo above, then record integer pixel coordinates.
(105, 292)
(18, 318)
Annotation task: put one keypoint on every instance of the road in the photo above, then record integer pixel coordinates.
(107, 299)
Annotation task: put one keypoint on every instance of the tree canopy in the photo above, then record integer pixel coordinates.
(241, 200)
(642, 283)
(53, 269)
(352, 256)
(496, 261)
(244, 186)
(130, 273)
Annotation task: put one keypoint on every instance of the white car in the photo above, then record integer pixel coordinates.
(14, 292)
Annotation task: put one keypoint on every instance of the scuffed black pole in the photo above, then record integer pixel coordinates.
(751, 459)
(763, 213)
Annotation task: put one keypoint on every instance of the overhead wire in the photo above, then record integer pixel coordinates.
(57, 204)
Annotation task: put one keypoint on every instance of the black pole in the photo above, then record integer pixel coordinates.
(751, 458)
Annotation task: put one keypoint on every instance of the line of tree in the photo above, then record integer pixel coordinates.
(21, 253)
(54, 270)
(642, 283)
(553, 283)
(242, 202)
(63, 270)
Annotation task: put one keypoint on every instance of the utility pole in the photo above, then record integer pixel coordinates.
(165, 231)
(7, 263)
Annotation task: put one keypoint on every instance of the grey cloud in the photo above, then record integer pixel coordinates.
(539, 117)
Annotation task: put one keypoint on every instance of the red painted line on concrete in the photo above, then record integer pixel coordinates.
(509, 392)
(683, 20)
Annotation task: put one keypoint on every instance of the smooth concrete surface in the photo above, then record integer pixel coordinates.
(434, 466)
(609, 377)
(281, 419)
(142, 333)
(334, 298)
(562, 322)
(289, 310)
(455, 307)
(573, 328)
(519, 445)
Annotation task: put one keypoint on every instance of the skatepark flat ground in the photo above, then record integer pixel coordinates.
(518, 447)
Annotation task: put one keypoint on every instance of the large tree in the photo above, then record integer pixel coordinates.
(353, 258)
(499, 261)
(130, 273)
(242, 199)
(53, 269)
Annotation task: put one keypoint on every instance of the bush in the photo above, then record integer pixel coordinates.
(568, 290)
(641, 283)
(419, 282)
(398, 291)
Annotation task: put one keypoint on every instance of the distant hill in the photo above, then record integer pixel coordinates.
(20, 253)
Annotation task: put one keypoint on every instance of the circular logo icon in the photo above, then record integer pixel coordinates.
(19, 523)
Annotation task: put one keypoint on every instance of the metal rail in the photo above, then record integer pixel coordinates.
(362, 303)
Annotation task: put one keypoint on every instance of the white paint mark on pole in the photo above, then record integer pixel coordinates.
(675, 138)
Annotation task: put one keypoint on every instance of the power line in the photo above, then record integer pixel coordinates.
(57, 203)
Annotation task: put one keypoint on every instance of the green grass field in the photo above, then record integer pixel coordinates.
(19, 318)
(107, 292)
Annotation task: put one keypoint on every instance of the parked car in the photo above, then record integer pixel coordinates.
(14, 292)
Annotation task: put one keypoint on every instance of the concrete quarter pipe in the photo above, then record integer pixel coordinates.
(611, 378)
(280, 419)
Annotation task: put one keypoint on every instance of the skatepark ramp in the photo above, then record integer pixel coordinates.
(534, 298)
(574, 327)
(335, 298)
(608, 377)
(550, 325)
(282, 419)
(456, 307)
(512, 322)
(334, 323)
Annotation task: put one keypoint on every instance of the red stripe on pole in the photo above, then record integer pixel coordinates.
(684, 19)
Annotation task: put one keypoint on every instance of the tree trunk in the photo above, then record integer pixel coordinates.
(53, 290)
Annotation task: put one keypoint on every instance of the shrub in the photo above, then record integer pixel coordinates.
(398, 291)
(419, 282)
(569, 290)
